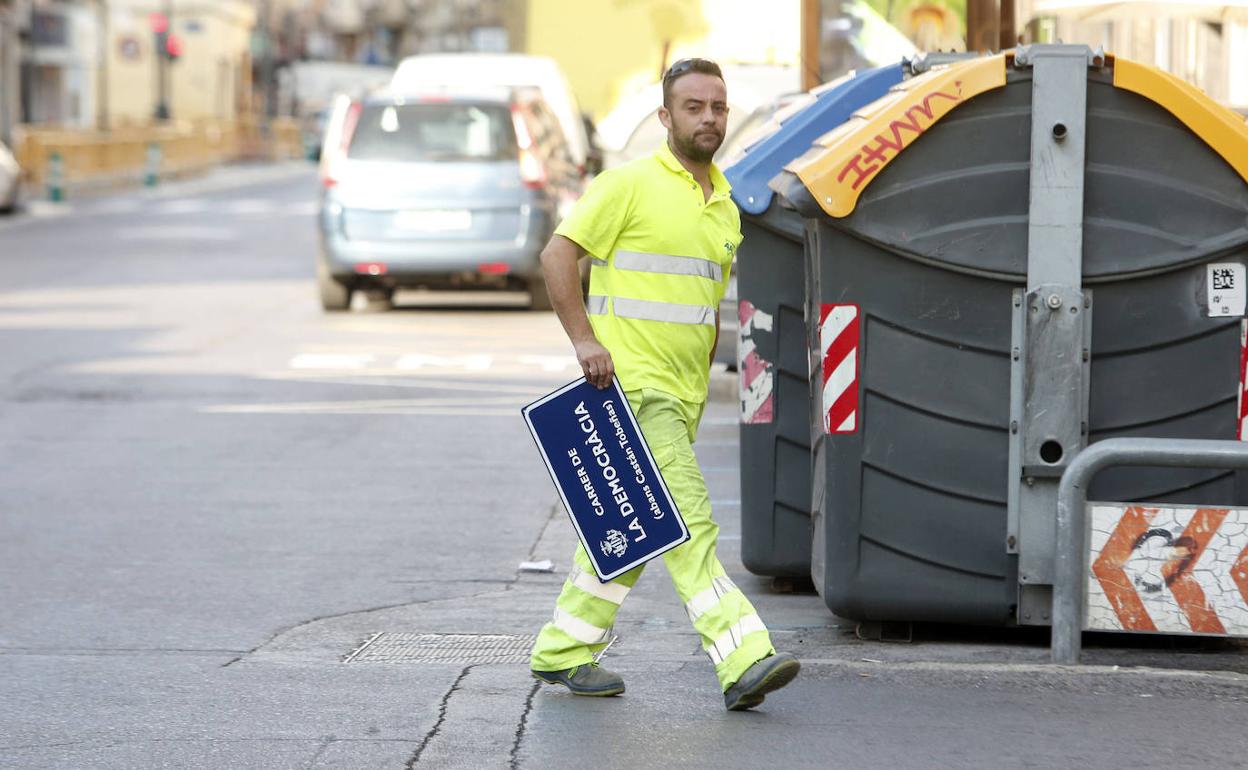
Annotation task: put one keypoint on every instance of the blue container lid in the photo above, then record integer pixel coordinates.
(824, 109)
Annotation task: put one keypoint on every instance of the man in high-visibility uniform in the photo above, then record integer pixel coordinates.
(661, 232)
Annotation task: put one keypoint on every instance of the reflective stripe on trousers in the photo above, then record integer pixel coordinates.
(706, 600)
(732, 639)
(581, 631)
(589, 583)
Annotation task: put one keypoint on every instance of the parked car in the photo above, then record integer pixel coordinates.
(510, 70)
(10, 179)
(442, 190)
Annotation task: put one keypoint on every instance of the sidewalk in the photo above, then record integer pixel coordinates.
(33, 207)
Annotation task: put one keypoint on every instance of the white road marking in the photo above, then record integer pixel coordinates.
(119, 206)
(331, 360)
(552, 363)
(475, 363)
(251, 206)
(175, 233)
(409, 381)
(411, 406)
(184, 206)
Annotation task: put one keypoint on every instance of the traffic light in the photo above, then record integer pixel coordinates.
(173, 47)
(168, 45)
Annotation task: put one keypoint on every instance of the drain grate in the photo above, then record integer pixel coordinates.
(389, 647)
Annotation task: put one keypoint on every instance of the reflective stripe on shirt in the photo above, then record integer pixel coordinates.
(668, 264)
(649, 310)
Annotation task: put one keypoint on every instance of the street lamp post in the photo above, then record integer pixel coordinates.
(101, 107)
(162, 64)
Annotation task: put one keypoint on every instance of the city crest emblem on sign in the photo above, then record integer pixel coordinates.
(615, 545)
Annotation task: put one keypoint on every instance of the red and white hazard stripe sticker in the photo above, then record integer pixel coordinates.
(838, 338)
(1172, 569)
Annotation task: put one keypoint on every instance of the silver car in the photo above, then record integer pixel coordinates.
(10, 179)
(440, 190)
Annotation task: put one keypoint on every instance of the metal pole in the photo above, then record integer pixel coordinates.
(1008, 27)
(266, 63)
(982, 19)
(9, 79)
(811, 19)
(101, 80)
(162, 69)
(1071, 567)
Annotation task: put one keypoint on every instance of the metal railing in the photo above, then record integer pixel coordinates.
(1071, 569)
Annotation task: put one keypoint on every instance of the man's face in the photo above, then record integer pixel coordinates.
(697, 116)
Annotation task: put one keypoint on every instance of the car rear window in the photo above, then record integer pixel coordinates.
(432, 132)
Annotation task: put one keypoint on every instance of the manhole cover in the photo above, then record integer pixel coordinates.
(443, 648)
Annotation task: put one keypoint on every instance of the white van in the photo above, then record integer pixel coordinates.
(474, 70)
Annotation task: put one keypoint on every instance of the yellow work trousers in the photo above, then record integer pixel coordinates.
(733, 636)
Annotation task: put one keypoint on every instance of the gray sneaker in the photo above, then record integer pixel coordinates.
(767, 675)
(588, 679)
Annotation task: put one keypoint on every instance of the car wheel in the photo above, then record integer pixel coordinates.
(335, 295)
(539, 297)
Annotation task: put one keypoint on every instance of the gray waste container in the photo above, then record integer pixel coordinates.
(772, 348)
(1013, 257)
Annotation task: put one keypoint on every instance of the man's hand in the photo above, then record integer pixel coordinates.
(595, 361)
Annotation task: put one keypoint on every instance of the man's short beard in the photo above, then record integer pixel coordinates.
(690, 149)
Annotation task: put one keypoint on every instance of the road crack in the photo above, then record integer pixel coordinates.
(437, 725)
(514, 757)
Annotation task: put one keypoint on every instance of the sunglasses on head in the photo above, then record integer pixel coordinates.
(684, 65)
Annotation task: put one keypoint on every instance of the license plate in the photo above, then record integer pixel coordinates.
(433, 220)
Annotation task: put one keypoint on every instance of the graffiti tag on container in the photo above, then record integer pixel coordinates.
(899, 134)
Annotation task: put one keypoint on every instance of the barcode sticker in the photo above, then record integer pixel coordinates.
(1227, 293)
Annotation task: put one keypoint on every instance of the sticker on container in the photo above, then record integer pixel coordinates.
(757, 373)
(1225, 286)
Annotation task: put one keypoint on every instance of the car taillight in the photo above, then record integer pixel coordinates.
(349, 123)
(532, 170)
(329, 177)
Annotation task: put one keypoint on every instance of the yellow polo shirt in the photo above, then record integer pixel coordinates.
(661, 262)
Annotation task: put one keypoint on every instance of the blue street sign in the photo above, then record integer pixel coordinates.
(606, 476)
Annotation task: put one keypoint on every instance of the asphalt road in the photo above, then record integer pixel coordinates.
(228, 522)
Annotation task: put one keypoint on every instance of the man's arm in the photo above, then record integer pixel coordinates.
(563, 283)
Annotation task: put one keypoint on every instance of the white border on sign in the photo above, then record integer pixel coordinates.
(628, 409)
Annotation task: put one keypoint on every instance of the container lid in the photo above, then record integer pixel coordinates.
(844, 162)
(792, 130)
